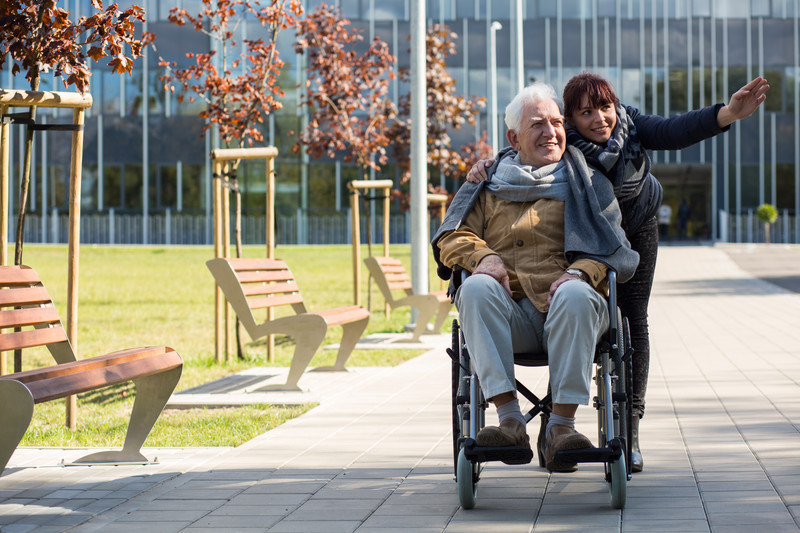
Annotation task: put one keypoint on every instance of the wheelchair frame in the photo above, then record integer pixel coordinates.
(614, 381)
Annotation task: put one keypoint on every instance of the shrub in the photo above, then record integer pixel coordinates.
(767, 213)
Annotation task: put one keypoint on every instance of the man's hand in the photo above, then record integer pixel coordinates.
(557, 283)
(744, 102)
(478, 171)
(492, 265)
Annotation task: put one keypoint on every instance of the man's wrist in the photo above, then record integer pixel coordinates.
(583, 276)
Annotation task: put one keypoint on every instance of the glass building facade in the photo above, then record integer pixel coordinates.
(147, 173)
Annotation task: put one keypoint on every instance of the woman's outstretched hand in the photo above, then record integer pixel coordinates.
(744, 102)
(478, 171)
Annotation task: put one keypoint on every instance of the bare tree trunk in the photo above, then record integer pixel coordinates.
(24, 186)
(237, 235)
(368, 214)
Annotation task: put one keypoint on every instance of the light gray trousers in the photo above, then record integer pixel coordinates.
(495, 326)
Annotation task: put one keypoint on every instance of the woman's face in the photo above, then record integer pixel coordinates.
(594, 123)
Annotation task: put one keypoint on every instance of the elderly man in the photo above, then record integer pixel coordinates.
(538, 238)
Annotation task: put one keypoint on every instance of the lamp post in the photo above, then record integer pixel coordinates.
(493, 84)
(420, 229)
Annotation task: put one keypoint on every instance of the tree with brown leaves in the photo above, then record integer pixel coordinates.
(235, 104)
(38, 36)
(348, 93)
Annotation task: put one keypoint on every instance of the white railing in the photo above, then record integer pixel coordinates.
(171, 228)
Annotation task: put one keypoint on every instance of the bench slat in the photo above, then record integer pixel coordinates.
(274, 301)
(343, 315)
(252, 289)
(93, 377)
(24, 296)
(101, 361)
(28, 317)
(30, 338)
(16, 275)
(387, 261)
(263, 276)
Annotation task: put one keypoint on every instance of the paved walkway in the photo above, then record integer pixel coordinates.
(720, 441)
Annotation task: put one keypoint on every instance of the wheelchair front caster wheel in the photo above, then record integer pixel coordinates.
(619, 483)
(466, 478)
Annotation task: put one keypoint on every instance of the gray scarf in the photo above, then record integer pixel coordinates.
(516, 182)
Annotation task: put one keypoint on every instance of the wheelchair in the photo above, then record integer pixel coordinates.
(614, 381)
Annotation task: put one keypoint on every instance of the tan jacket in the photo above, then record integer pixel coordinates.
(528, 237)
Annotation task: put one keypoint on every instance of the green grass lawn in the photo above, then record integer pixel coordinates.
(137, 296)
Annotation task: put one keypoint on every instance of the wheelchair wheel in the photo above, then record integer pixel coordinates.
(457, 377)
(628, 365)
(467, 480)
(623, 388)
(619, 483)
(461, 405)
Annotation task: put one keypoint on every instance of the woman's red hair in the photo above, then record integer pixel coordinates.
(595, 87)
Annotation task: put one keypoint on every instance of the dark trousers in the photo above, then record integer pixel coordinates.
(634, 297)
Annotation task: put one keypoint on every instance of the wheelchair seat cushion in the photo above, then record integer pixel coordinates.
(530, 359)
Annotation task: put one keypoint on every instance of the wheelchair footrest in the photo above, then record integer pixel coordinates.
(591, 455)
(510, 455)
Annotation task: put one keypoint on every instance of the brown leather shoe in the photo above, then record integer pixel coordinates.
(561, 438)
(511, 432)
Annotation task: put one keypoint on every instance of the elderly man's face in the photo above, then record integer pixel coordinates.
(541, 139)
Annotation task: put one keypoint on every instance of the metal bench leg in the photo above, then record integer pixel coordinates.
(152, 394)
(351, 333)
(15, 417)
(308, 332)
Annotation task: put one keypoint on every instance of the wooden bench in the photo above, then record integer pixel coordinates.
(390, 276)
(252, 284)
(26, 306)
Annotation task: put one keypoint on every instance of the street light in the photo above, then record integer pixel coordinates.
(493, 84)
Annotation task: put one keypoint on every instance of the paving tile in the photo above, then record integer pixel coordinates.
(410, 522)
(200, 529)
(773, 528)
(269, 499)
(149, 515)
(223, 523)
(721, 486)
(181, 505)
(664, 526)
(315, 526)
(365, 529)
(744, 496)
(666, 513)
(753, 518)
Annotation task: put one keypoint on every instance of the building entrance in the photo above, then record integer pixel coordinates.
(689, 185)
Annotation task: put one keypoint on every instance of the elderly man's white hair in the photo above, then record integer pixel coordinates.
(534, 92)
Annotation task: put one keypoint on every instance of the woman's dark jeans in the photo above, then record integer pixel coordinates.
(634, 296)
